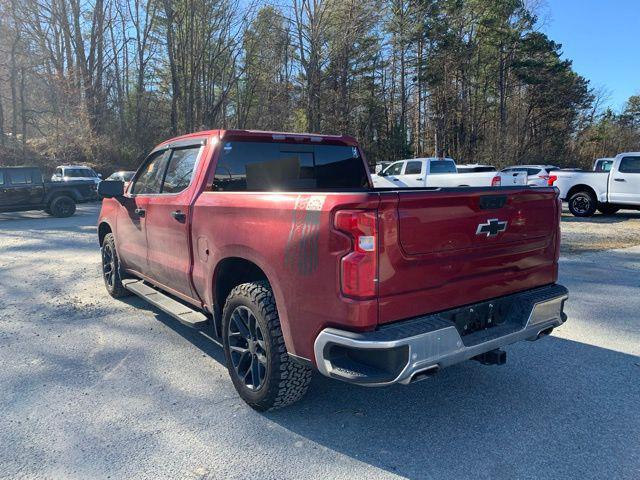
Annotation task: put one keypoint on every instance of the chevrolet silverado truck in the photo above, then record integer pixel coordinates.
(606, 191)
(279, 247)
(23, 189)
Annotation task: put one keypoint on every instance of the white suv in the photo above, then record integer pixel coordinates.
(68, 173)
(538, 175)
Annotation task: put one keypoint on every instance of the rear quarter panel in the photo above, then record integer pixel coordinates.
(290, 237)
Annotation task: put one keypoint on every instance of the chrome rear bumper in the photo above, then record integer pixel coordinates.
(409, 350)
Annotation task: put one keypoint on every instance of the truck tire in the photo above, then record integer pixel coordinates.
(607, 209)
(262, 372)
(111, 268)
(583, 204)
(62, 206)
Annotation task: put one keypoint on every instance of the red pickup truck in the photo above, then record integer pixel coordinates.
(280, 247)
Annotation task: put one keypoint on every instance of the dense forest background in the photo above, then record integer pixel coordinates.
(102, 81)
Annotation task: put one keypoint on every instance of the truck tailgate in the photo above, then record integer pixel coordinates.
(446, 248)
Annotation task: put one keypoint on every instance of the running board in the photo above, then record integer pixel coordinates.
(184, 314)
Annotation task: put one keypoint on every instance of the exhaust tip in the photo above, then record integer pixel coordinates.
(544, 333)
(423, 374)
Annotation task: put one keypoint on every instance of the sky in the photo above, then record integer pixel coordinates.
(602, 37)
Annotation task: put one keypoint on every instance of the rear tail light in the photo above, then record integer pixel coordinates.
(551, 180)
(359, 267)
(496, 181)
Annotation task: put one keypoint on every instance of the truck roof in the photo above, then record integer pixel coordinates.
(265, 135)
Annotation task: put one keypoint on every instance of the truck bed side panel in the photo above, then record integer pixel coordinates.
(289, 236)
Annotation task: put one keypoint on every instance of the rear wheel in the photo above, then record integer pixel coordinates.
(607, 209)
(582, 204)
(111, 268)
(62, 207)
(262, 372)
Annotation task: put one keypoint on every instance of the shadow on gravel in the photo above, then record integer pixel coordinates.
(83, 210)
(605, 219)
(561, 410)
(557, 409)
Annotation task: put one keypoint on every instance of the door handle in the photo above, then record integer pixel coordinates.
(619, 179)
(140, 212)
(395, 179)
(179, 216)
(420, 179)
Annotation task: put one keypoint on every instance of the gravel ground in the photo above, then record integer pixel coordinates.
(92, 387)
(600, 232)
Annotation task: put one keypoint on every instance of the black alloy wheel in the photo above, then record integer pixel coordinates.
(247, 348)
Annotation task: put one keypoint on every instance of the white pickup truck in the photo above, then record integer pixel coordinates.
(440, 172)
(607, 192)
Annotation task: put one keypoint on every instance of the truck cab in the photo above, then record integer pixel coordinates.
(23, 189)
(606, 191)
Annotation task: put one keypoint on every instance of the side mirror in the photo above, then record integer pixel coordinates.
(111, 189)
(99, 175)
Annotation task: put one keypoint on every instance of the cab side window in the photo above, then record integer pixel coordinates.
(413, 168)
(630, 165)
(20, 177)
(180, 170)
(394, 169)
(149, 179)
(1, 177)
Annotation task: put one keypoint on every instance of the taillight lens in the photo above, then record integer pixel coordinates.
(359, 268)
(551, 180)
(496, 181)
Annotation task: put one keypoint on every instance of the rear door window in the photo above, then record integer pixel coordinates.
(20, 177)
(271, 166)
(630, 165)
(180, 170)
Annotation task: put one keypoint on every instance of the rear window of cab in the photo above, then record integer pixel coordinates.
(272, 166)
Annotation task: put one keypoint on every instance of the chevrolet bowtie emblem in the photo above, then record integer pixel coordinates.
(492, 228)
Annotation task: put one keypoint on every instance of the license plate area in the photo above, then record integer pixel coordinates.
(481, 316)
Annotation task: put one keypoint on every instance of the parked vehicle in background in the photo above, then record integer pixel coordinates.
(68, 173)
(122, 175)
(474, 168)
(537, 175)
(23, 189)
(605, 191)
(381, 166)
(279, 245)
(603, 164)
(438, 172)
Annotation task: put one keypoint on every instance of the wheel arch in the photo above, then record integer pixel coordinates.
(582, 188)
(237, 268)
(103, 229)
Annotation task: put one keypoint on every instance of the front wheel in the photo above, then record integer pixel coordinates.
(111, 268)
(582, 204)
(262, 372)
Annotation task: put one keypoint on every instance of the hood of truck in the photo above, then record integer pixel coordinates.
(452, 247)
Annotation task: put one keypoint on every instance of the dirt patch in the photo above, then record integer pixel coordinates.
(600, 232)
